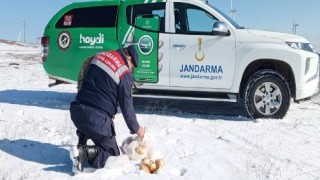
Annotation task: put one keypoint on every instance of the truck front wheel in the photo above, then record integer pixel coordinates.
(267, 95)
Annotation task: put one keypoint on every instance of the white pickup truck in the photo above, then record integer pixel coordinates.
(187, 50)
(208, 56)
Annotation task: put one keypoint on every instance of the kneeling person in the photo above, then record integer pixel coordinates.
(107, 83)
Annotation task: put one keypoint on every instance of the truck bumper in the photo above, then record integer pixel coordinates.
(309, 85)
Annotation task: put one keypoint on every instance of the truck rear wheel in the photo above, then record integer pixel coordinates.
(267, 95)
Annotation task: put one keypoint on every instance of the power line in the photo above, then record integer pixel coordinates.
(294, 27)
(23, 30)
(232, 11)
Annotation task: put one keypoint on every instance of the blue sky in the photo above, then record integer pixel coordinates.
(274, 15)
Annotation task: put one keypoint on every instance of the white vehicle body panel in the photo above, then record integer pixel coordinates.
(229, 57)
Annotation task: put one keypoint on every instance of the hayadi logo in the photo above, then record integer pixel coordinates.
(145, 45)
(64, 40)
(92, 40)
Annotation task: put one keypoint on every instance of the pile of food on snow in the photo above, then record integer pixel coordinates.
(142, 149)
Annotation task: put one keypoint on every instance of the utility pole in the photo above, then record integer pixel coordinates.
(24, 31)
(38, 39)
(294, 27)
(232, 11)
(19, 36)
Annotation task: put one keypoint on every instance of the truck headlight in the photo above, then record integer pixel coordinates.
(294, 45)
(301, 46)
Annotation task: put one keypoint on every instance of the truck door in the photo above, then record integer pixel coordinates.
(146, 36)
(198, 58)
(128, 28)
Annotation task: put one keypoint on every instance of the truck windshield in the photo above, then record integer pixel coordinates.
(236, 25)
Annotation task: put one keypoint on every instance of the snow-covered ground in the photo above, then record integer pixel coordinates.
(198, 140)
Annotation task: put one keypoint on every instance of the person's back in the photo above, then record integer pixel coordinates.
(99, 91)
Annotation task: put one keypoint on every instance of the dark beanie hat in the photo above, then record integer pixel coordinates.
(134, 55)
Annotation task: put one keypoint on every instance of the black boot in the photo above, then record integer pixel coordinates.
(91, 153)
(80, 155)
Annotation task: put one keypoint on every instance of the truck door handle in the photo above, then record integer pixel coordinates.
(179, 46)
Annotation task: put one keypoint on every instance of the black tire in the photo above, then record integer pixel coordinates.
(267, 95)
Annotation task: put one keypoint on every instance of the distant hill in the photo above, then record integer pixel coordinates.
(17, 43)
(7, 42)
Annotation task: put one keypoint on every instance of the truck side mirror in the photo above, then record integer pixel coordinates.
(220, 29)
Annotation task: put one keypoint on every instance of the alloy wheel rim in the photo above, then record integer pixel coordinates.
(268, 98)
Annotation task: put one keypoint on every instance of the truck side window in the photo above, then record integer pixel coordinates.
(142, 9)
(98, 16)
(190, 19)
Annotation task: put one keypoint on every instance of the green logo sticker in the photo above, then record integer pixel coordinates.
(145, 45)
(64, 40)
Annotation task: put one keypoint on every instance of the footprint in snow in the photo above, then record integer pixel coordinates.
(178, 172)
(187, 154)
(167, 131)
